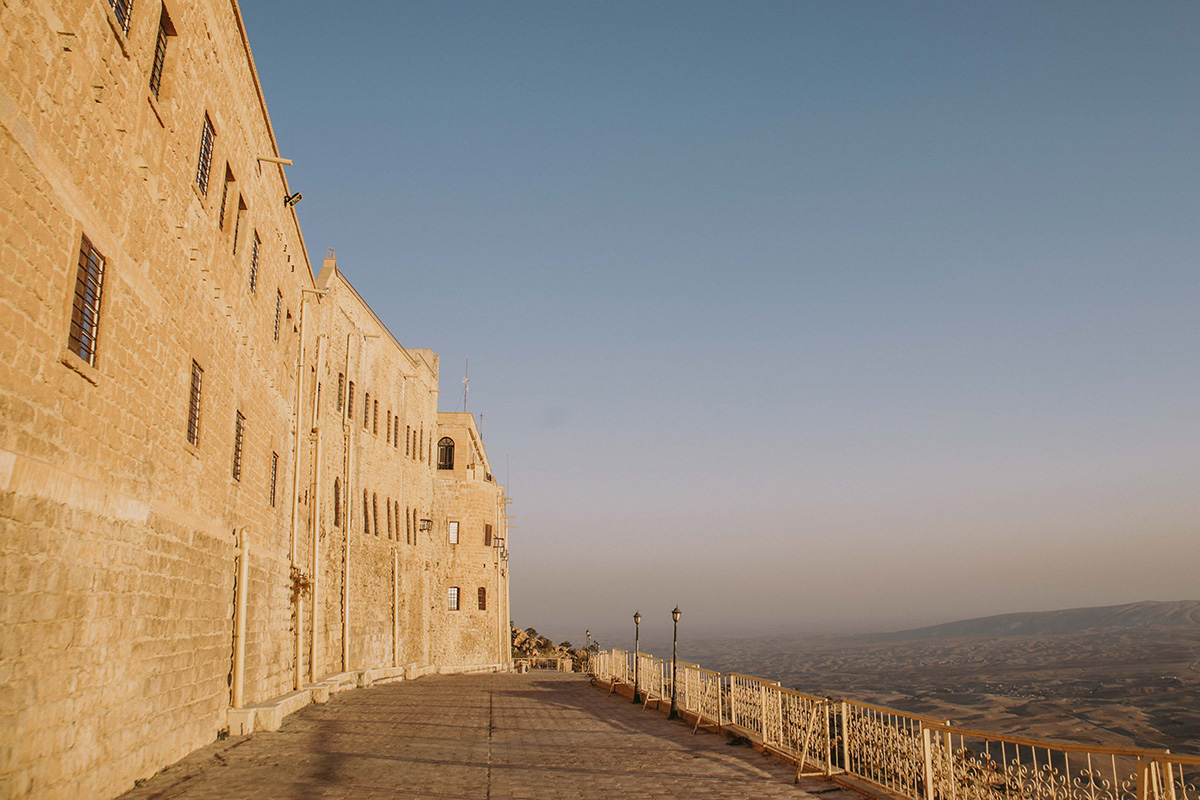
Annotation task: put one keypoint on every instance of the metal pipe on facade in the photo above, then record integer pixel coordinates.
(297, 412)
(313, 655)
(348, 439)
(239, 620)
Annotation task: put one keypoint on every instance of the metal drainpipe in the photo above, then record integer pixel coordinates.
(322, 343)
(348, 439)
(239, 620)
(296, 415)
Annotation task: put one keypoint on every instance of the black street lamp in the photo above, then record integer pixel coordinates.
(674, 655)
(637, 631)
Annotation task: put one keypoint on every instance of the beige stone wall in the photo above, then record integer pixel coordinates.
(118, 537)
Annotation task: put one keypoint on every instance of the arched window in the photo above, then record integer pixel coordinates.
(337, 502)
(446, 453)
(482, 599)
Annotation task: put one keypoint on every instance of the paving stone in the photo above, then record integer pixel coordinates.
(494, 737)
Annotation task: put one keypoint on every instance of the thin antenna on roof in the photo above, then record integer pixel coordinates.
(466, 383)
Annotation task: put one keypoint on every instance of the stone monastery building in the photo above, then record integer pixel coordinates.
(225, 487)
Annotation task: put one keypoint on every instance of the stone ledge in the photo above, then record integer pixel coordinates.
(370, 677)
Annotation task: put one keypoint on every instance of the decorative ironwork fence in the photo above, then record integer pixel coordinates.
(913, 756)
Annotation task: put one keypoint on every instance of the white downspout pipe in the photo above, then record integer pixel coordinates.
(239, 620)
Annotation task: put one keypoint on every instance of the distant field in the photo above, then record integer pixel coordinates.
(1135, 684)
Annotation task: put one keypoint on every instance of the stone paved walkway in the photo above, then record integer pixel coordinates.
(540, 736)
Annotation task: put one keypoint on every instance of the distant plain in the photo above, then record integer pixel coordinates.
(1119, 675)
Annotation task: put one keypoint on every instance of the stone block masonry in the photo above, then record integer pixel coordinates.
(175, 380)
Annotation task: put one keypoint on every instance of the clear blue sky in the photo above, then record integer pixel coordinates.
(800, 314)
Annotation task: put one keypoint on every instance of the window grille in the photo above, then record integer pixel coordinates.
(278, 312)
(254, 262)
(482, 598)
(337, 502)
(396, 433)
(387, 504)
(445, 453)
(366, 513)
(487, 535)
(123, 9)
(207, 135)
(224, 196)
(237, 223)
(407, 437)
(366, 411)
(407, 525)
(274, 470)
(193, 422)
(396, 517)
(388, 428)
(350, 402)
(341, 398)
(454, 598)
(239, 430)
(375, 418)
(160, 56)
(85, 312)
(375, 512)
(453, 533)
(421, 444)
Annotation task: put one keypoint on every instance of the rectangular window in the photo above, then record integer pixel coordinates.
(341, 399)
(254, 263)
(388, 427)
(454, 598)
(122, 8)
(239, 431)
(375, 418)
(421, 444)
(204, 165)
(160, 53)
(407, 437)
(85, 310)
(396, 433)
(487, 535)
(388, 505)
(278, 311)
(482, 598)
(407, 525)
(237, 222)
(274, 471)
(350, 402)
(225, 196)
(193, 422)
(366, 411)
(366, 513)
(453, 533)
(375, 512)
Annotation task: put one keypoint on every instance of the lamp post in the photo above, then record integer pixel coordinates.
(637, 631)
(674, 655)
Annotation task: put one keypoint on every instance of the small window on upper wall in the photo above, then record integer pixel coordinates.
(375, 418)
(278, 312)
(256, 244)
(453, 598)
(487, 535)
(193, 420)
(229, 181)
(204, 164)
(239, 432)
(337, 502)
(482, 598)
(274, 471)
(350, 401)
(341, 398)
(366, 512)
(165, 30)
(445, 453)
(396, 432)
(85, 309)
(123, 9)
(242, 208)
(453, 533)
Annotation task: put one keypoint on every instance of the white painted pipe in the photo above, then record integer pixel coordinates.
(239, 619)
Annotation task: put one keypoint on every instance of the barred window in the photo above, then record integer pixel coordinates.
(122, 8)
(165, 29)
(254, 262)
(366, 512)
(375, 512)
(396, 433)
(366, 410)
(396, 517)
(239, 431)
(85, 311)
(341, 398)
(350, 402)
(487, 535)
(454, 598)
(274, 470)
(375, 418)
(337, 502)
(407, 437)
(445, 453)
(278, 311)
(204, 165)
(225, 195)
(193, 421)
(387, 504)
(407, 526)
(388, 428)
(482, 598)
(237, 222)
(421, 444)
(453, 533)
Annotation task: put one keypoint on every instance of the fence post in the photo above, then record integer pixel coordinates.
(927, 757)
(762, 711)
(828, 745)
(720, 703)
(845, 710)
(733, 703)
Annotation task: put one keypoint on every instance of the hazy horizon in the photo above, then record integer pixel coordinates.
(804, 317)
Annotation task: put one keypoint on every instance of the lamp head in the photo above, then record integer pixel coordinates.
(637, 618)
(675, 614)
(291, 200)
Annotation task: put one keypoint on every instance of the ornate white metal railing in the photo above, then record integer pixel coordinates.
(909, 755)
